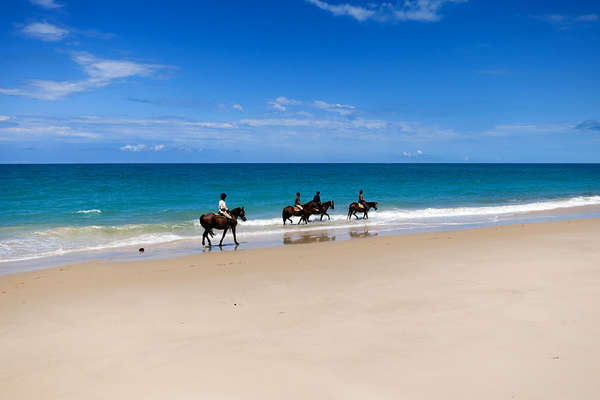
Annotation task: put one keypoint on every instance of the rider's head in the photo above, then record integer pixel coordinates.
(318, 192)
(360, 191)
(223, 195)
(298, 194)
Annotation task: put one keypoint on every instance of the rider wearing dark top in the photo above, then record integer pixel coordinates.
(317, 199)
(361, 199)
(297, 202)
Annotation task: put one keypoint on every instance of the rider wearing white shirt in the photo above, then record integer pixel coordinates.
(223, 210)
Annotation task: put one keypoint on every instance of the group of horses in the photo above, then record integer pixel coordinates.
(215, 221)
(315, 208)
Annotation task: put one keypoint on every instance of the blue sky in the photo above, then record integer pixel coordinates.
(300, 81)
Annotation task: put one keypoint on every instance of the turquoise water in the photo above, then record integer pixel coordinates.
(50, 210)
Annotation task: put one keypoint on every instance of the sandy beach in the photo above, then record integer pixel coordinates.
(509, 312)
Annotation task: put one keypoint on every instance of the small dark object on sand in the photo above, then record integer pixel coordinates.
(141, 250)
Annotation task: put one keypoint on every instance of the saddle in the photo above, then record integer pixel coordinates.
(361, 206)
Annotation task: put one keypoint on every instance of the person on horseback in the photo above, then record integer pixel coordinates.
(298, 203)
(361, 200)
(317, 198)
(223, 210)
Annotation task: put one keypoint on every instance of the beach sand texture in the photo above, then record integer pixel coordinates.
(509, 312)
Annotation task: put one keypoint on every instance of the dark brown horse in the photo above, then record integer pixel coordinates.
(356, 207)
(312, 208)
(324, 207)
(211, 221)
(291, 211)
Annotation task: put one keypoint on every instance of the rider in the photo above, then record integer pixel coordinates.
(297, 202)
(361, 199)
(223, 210)
(317, 200)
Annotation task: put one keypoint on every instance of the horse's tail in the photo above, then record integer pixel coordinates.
(349, 211)
(283, 216)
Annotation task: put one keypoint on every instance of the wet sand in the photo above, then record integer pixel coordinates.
(495, 313)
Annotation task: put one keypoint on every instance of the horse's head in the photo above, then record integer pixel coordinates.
(374, 204)
(239, 213)
(332, 206)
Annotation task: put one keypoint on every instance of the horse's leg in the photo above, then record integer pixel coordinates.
(203, 237)
(234, 237)
(223, 237)
(321, 217)
(208, 238)
(328, 217)
(355, 214)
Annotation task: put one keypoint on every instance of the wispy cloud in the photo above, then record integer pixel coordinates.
(516, 129)
(281, 103)
(237, 107)
(408, 10)
(141, 147)
(45, 31)
(342, 109)
(100, 72)
(589, 125)
(410, 154)
(564, 21)
(49, 4)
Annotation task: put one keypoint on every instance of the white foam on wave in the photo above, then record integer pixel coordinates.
(94, 211)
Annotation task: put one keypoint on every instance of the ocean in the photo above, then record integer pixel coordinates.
(73, 212)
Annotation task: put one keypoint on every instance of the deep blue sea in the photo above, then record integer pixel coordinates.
(55, 210)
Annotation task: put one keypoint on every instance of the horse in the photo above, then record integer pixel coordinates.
(324, 207)
(212, 220)
(291, 211)
(312, 207)
(356, 207)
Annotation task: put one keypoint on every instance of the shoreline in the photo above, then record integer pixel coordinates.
(495, 312)
(314, 232)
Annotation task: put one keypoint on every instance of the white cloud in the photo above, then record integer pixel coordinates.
(411, 154)
(528, 129)
(142, 147)
(238, 107)
(407, 10)
(341, 109)
(45, 31)
(4, 117)
(281, 102)
(46, 3)
(100, 72)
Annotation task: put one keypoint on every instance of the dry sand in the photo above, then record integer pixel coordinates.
(492, 313)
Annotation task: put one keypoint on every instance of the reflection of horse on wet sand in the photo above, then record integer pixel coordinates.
(362, 234)
(215, 221)
(307, 237)
(357, 207)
